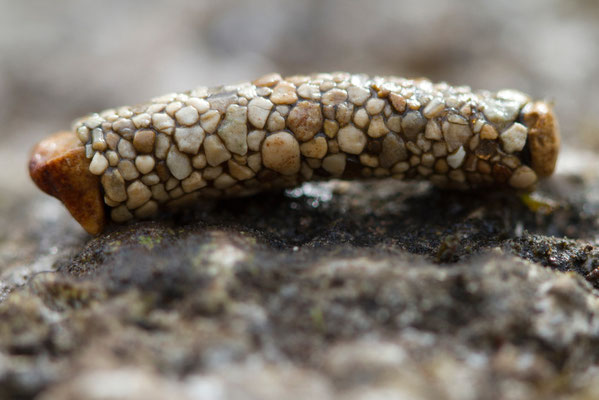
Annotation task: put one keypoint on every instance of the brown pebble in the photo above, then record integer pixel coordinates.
(305, 120)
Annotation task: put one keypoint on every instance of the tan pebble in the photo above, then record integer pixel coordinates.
(142, 120)
(308, 91)
(439, 149)
(331, 128)
(315, 148)
(233, 129)
(155, 108)
(511, 161)
(209, 120)
(329, 112)
(393, 150)
(457, 158)
(158, 193)
(275, 122)
(298, 79)
(255, 139)
(314, 163)
(200, 105)
(428, 160)
(369, 160)
(358, 95)
(178, 163)
(414, 160)
(268, 80)
(189, 139)
(334, 164)
(215, 150)
(173, 107)
(171, 183)
(125, 112)
(381, 172)
(433, 131)
(150, 179)
(193, 182)
(441, 166)
(283, 110)
(457, 175)
(400, 167)
(488, 132)
(412, 124)
(120, 214)
(351, 139)
(211, 173)
(163, 122)
(361, 118)
(224, 181)
(387, 111)
(414, 149)
(375, 106)
(344, 113)
(176, 193)
(334, 97)
(394, 123)
(221, 101)
(94, 121)
(474, 142)
(110, 203)
(423, 143)
(470, 164)
(83, 134)
(148, 210)
(281, 153)
(255, 162)
(114, 185)
(199, 161)
(187, 116)
(305, 120)
(333, 146)
(483, 167)
(513, 139)
(126, 149)
(98, 141)
(145, 164)
(398, 102)
(128, 170)
(113, 158)
(377, 127)
(240, 172)
(98, 164)
(124, 126)
(162, 171)
(138, 194)
(112, 140)
(163, 143)
(433, 108)
(143, 141)
(523, 178)
(283, 93)
(455, 135)
(327, 84)
(258, 111)
(306, 171)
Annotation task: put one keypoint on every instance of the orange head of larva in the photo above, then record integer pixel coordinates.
(59, 167)
(543, 141)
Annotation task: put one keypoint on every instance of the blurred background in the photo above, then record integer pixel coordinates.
(63, 58)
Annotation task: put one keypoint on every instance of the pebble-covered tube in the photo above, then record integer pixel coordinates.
(278, 132)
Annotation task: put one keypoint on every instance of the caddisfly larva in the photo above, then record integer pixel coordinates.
(277, 132)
